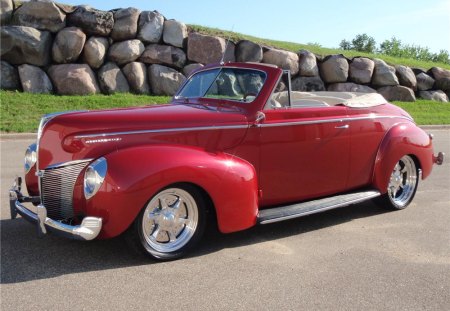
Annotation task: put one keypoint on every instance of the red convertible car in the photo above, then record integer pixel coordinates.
(235, 147)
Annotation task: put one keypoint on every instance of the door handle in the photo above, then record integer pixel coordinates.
(346, 126)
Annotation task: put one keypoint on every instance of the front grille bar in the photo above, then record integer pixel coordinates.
(57, 185)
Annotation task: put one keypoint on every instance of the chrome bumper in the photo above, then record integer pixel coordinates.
(439, 159)
(88, 229)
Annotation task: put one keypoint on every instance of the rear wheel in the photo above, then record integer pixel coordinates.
(402, 185)
(171, 223)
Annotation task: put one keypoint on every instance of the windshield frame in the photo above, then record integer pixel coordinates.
(221, 69)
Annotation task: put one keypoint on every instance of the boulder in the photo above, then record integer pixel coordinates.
(350, 87)
(126, 51)
(20, 45)
(34, 80)
(424, 82)
(40, 15)
(125, 24)
(73, 79)
(93, 22)
(249, 83)
(136, 75)
(230, 52)
(94, 51)
(308, 64)
(283, 59)
(439, 73)
(187, 70)
(164, 80)
(6, 11)
(406, 77)
(174, 33)
(150, 28)
(434, 95)
(334, 69)
(65, 8)
(112, 80)
(361, 70)
(383, 74)
(228, 85)
(205, 49)
(397, 92)
(68, 45)
(443, 84)
(418, 70)
(9, 77)
(164, 54)
(442, 78)
(308, 84)
(248, 51)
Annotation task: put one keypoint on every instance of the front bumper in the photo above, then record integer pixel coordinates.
(439, 159)
(88, 229)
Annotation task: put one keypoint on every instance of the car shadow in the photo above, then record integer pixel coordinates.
(24, 257)
(280, 230)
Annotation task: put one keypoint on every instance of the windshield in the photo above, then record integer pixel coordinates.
(224, 83)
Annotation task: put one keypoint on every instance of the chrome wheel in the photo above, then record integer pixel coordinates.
(403, 182)
(170, 220)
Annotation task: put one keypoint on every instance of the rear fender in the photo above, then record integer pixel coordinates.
(402, 139)
(136, 174)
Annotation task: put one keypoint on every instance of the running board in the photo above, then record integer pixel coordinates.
(270, 215)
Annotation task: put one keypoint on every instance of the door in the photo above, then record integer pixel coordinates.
(304, 154)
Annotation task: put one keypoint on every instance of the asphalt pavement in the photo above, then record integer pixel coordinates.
(355, 258)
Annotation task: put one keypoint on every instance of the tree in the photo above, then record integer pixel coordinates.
(391, 47)
(345, 45)
(364, 43)
(442, 57)
(394, 47)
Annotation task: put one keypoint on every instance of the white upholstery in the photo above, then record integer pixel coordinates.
(321, 99)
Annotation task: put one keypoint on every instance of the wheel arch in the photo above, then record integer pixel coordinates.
(135, 175)
(402, 139)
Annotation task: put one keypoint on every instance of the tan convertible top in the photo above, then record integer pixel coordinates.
(313, 99)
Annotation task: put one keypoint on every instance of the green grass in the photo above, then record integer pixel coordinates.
(314, 48)
(21, 112)
(427, 112)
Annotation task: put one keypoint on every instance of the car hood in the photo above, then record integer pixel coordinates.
(90, 134)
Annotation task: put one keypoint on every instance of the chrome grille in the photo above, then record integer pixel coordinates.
(57, 186)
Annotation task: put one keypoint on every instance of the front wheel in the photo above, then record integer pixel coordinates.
(402, 185)
(171, 223)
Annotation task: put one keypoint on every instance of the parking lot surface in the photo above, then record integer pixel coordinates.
(355, 258)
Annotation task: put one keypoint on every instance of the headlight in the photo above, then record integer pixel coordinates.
(30, 158)
(94, 177)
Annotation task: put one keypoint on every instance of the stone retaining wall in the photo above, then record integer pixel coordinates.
(54, 48)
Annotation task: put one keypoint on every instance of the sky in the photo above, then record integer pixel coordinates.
(420, 22)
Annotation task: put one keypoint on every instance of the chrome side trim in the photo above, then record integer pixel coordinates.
(331, 121)
(181, 129)
(208, 128)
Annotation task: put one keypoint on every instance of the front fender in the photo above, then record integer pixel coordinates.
(402, 139)
(136, 174)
